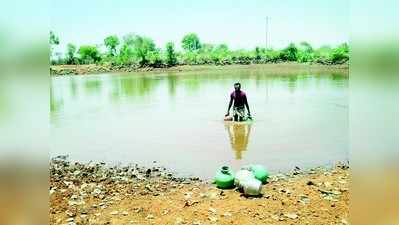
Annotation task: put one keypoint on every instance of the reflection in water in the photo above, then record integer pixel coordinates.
(292, 83)
(132, 86)
(55, 103)
(172, 84)
(93, 86)
(74, 87)
(337, 76)
(239, 136)
(192, 85)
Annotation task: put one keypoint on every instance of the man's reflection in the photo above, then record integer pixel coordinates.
(239, 136)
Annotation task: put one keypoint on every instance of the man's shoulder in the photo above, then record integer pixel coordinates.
(233, 94)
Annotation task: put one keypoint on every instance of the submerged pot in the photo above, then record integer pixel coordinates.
(224, 178)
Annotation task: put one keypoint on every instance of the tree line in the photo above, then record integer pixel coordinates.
(141, 51)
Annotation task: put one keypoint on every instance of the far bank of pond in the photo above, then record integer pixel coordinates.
(277, 68)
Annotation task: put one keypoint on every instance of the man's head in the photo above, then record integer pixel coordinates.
(237, 86)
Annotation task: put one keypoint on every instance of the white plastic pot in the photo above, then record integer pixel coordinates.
(241, 176)
(252, 187)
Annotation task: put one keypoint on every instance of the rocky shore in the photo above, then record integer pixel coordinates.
(275, 68)
(95, 193)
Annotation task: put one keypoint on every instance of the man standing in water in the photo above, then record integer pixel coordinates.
(240, 100)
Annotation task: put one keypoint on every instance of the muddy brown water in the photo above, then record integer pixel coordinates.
(176, 119)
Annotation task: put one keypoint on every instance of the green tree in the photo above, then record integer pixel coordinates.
(340, 54)
(323, 55)
(53, 40)
(125, 55)
(71, 49)
(220, 55)
(205, 53)
(206, 48)
(257, 54)
(89, 54)
(305, 52)
(290, 53)
(222, 48)
(139, 48)
(154, 58)
(271, 55)
(191, 42)
(143, 46)
(111, 42)
(171, 59)
(306, 47)
(126, 51)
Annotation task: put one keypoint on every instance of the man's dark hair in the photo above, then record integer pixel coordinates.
(237, 84)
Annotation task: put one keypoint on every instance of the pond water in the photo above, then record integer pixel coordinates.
(176, 119)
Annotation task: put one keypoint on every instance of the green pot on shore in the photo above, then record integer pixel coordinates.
(260, 173)
(224, 178)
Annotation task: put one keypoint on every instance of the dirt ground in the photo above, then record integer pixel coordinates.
(82, 194)
(277, 68)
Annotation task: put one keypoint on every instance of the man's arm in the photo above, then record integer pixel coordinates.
(246, 105)
(230, 103)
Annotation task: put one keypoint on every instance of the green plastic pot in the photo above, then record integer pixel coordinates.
(260, 173)
(224, 178)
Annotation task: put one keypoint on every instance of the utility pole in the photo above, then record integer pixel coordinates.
(267, 31)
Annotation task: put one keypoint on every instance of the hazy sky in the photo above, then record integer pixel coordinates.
(240, 24)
